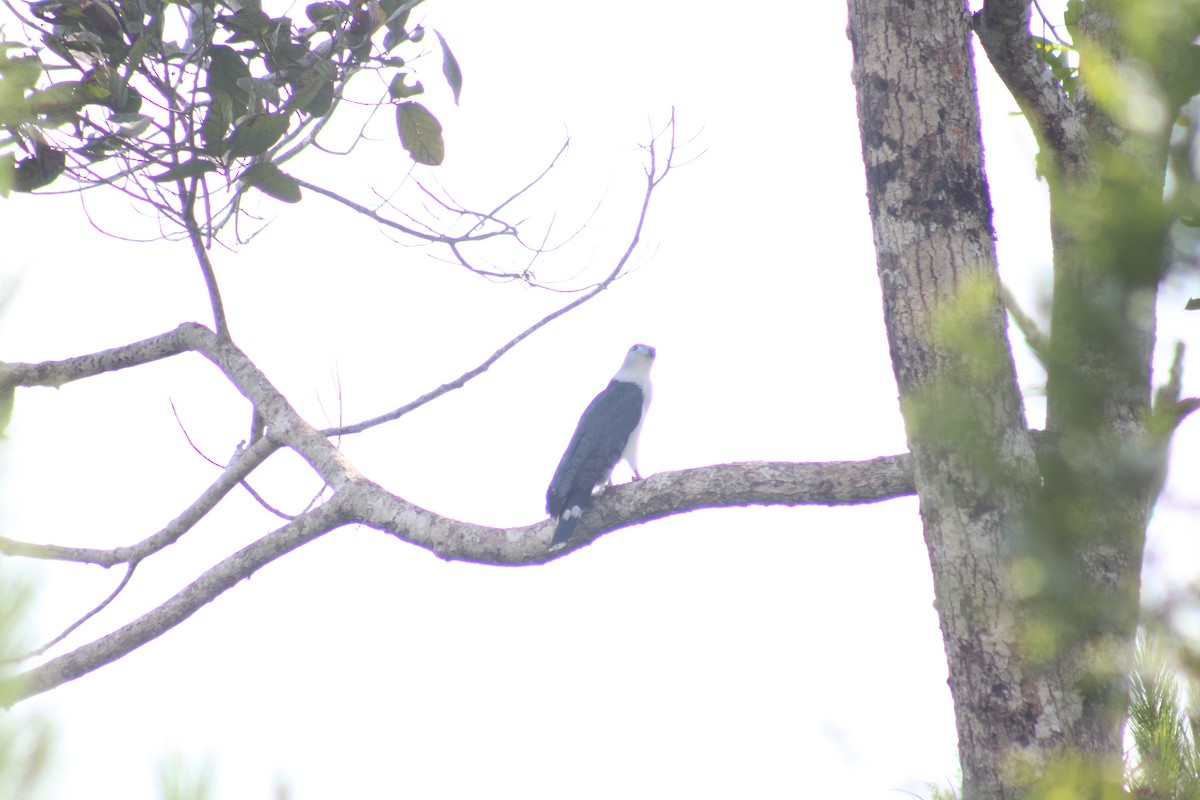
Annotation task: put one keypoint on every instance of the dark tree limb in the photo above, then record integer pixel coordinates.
(1003, 29)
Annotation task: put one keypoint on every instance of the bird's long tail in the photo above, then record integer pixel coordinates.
(564, 529)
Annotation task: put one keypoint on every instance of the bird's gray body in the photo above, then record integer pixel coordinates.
(607, 434)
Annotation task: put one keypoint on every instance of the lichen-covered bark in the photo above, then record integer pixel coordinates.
(975, 470)
(1108, 228)
(1036, 569)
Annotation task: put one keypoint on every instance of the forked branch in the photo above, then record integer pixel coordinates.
(361, 501)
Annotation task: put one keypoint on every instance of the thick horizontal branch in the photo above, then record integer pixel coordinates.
(726, 485)
(721, 486)
(287, 428)
(58, 373)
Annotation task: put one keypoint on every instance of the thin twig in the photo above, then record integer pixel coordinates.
(373, 215)
(653, 178)
(214, 582)
(199, 452)
(196, 237)
(1034, 337)
(1046, 23)
(75, 625)
(259, 499)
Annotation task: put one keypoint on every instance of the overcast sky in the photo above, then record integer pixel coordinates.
(751, 652)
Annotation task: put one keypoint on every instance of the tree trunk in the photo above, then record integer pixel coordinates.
(1037, 684)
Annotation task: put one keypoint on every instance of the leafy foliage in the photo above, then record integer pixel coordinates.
(420, 133)
(1165, 732)
(172, 102)
(1061, 59)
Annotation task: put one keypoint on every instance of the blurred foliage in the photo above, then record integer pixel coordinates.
(25, 739)
(1129, 219)
(181, 779)
(1164, 724)
(173, 101)
(1164, 728)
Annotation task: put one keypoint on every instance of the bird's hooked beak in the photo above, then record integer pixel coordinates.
(642, 351)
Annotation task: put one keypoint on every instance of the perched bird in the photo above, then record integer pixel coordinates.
(607, 433)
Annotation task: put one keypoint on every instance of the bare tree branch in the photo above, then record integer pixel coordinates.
(1003, 29)
(188, 436)
(654, 177)
(353, 498)
(245, 463)
(59, 373)
(371, 214)
(360, 500)
(75, 625)
(658, 496)
(196, 595)
(1037, 341)
(1048, 25)
(196, 237)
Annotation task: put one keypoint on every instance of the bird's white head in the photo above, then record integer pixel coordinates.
(636, 368)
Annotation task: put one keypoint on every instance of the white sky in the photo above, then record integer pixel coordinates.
(755, 652)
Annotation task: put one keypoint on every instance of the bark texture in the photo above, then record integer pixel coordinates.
(1104, 164)
(1026, 694)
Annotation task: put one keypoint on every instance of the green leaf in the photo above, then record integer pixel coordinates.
(255, 135)
(450, 68)
(306, 83)
(1193, 304)
(17, 76)
(225, 69)
(247, 25)
(98, 148)
(217, 121)
(58, 12)
(328, 13)
(1071, 19)
(273, 181)
(131, 124)
(188, 169)
(420, 133)
(101, 19)
(322, 101)
(1057, 59)
(397, 18)
(21, 74)
(125, 100)
(399, 91)
(65, 96)
(393, 39)
(39, 170)
(136, 54)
